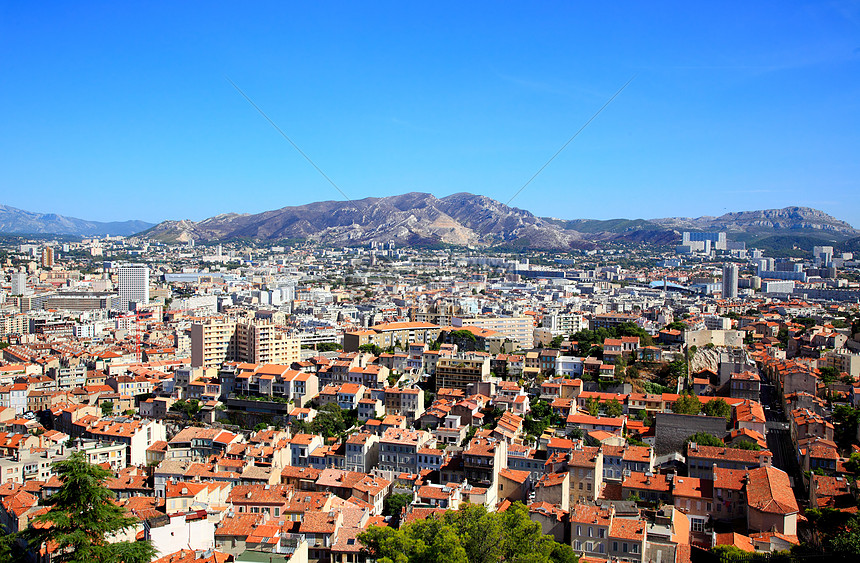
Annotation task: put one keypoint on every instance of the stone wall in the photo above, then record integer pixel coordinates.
(673, 429)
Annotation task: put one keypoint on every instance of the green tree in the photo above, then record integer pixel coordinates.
(592, 405)
(847, 541)
(82, 516)
(845, 422)
(687, 404)
(188, 408)
(394, 502)
(539, 418)
(613, 408)
(678, 369)
(470, 534)
(370, 349)
(705, 439)
(828, 374)
(746, 445)
(329, 421)
(107, 407)
(718, 407)
(853, 463)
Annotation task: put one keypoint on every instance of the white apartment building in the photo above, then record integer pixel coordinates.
(518, 329)
(132, 285)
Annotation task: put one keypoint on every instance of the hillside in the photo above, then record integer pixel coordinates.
(473, 220)
(13, 220)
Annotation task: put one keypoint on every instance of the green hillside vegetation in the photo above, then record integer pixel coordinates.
(602, 226)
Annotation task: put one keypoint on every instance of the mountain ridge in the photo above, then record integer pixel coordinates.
(20, 221)
(465, 219)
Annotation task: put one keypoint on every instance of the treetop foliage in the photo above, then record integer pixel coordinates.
(687, 404)
(82, 516)
(468, 535)
(587, 338)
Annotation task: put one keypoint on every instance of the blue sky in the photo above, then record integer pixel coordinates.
(113, 111)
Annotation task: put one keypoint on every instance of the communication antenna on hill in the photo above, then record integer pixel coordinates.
(575, 135)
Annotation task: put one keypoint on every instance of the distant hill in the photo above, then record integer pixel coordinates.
(18, 221)
(767, 221)
(408, 219)
(421, 219)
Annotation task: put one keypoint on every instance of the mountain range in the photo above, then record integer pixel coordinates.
(474, 220)
(463, 219)
(13, 220)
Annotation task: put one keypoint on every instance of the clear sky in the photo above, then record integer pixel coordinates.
(121, 110)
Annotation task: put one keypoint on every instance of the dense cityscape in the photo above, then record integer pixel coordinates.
(294, 402)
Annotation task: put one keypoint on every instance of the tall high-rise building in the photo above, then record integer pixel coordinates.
(696, 240)
(823, 255)
(730, 280)
(132, 285)
(19, 283)
(47, 257)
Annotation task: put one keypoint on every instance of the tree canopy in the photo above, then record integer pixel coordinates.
(613, 408)
(587, 338)
(468, 535)
(82, 515)
(687, 404)
(705, 439)
(331, 420)
(829, 374)
(718, 407)
(539, 418)
(370, 349)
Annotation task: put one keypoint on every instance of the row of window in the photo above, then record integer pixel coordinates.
(601, 532)
(598, 547)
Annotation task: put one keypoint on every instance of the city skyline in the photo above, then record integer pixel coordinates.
(120, 113)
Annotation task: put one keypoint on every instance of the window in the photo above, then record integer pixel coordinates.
(601, 533)
(624, 547)
(577, 544)
(590, 532)
(579, 530)
(588, 546)
(600, 548)
(615, 546)
(635, 548)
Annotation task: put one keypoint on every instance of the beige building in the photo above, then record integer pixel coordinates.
(216, 341)
(455, 373)
(400, 334)
(554, 488)
(518, 329)
(586, 473)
